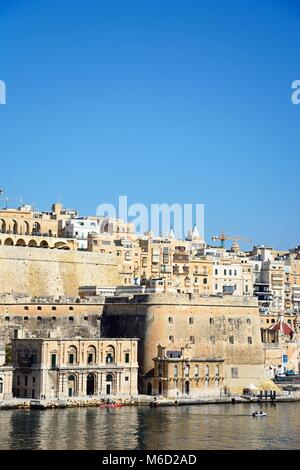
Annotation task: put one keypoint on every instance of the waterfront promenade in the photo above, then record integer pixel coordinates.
(141, 400)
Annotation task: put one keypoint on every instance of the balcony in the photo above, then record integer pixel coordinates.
(181, 258)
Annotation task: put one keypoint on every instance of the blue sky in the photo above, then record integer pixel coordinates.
(163, 101)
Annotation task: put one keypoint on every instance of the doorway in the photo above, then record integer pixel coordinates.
(90, 384)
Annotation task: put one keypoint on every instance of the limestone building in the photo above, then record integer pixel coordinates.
(181, 373)
(74, 367)
(215, 328)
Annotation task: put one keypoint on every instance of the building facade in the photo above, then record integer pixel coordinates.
(179, 373)
(214, 327)
(60, 369)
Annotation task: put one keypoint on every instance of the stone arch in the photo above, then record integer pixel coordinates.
(2, 226)
(15, 227)
(72, 385)
(60, 245)
(32, 244)
(110, 354)
(36, 229)
(20, 242)
(44, 244)
(72, 355)
(27, 228)
(90, 384)
(9, 242)
(91, 355)
(109, 384)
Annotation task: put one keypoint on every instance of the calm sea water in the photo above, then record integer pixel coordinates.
(186, 427)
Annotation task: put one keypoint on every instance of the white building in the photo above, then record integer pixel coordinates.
(80, 228)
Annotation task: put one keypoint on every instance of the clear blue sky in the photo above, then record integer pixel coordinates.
(164, 101)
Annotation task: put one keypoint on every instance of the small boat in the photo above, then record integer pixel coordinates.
(258, 414)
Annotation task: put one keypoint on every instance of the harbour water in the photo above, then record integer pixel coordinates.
(169, 428)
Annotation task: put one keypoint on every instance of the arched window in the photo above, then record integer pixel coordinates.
(109, 378)
(71, 385)
(72, 355)
(192, 339)
(15, 227)
(171, 339)
(217, 371)
(170, 319)
(206, 371)
(249, 340)
(110, 355)
(36, 229)
(91, 355)
(204, 280)
(196, 371)
(2, 226)
(27, 231)
(175, 371)
(187, 370)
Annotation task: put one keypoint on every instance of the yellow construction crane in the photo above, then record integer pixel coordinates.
(222, 237)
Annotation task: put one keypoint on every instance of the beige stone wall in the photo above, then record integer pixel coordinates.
(60, 320)
(53, 272)
(214, 321)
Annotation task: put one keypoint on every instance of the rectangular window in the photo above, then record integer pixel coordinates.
(90, 358)
(234, 372)
(53, 361)
(127, 358)
(33, 358)
(26, 380)
(126, 379)
(18, 380)
(71, 358)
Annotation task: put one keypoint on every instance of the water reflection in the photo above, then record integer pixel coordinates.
(191, 427)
